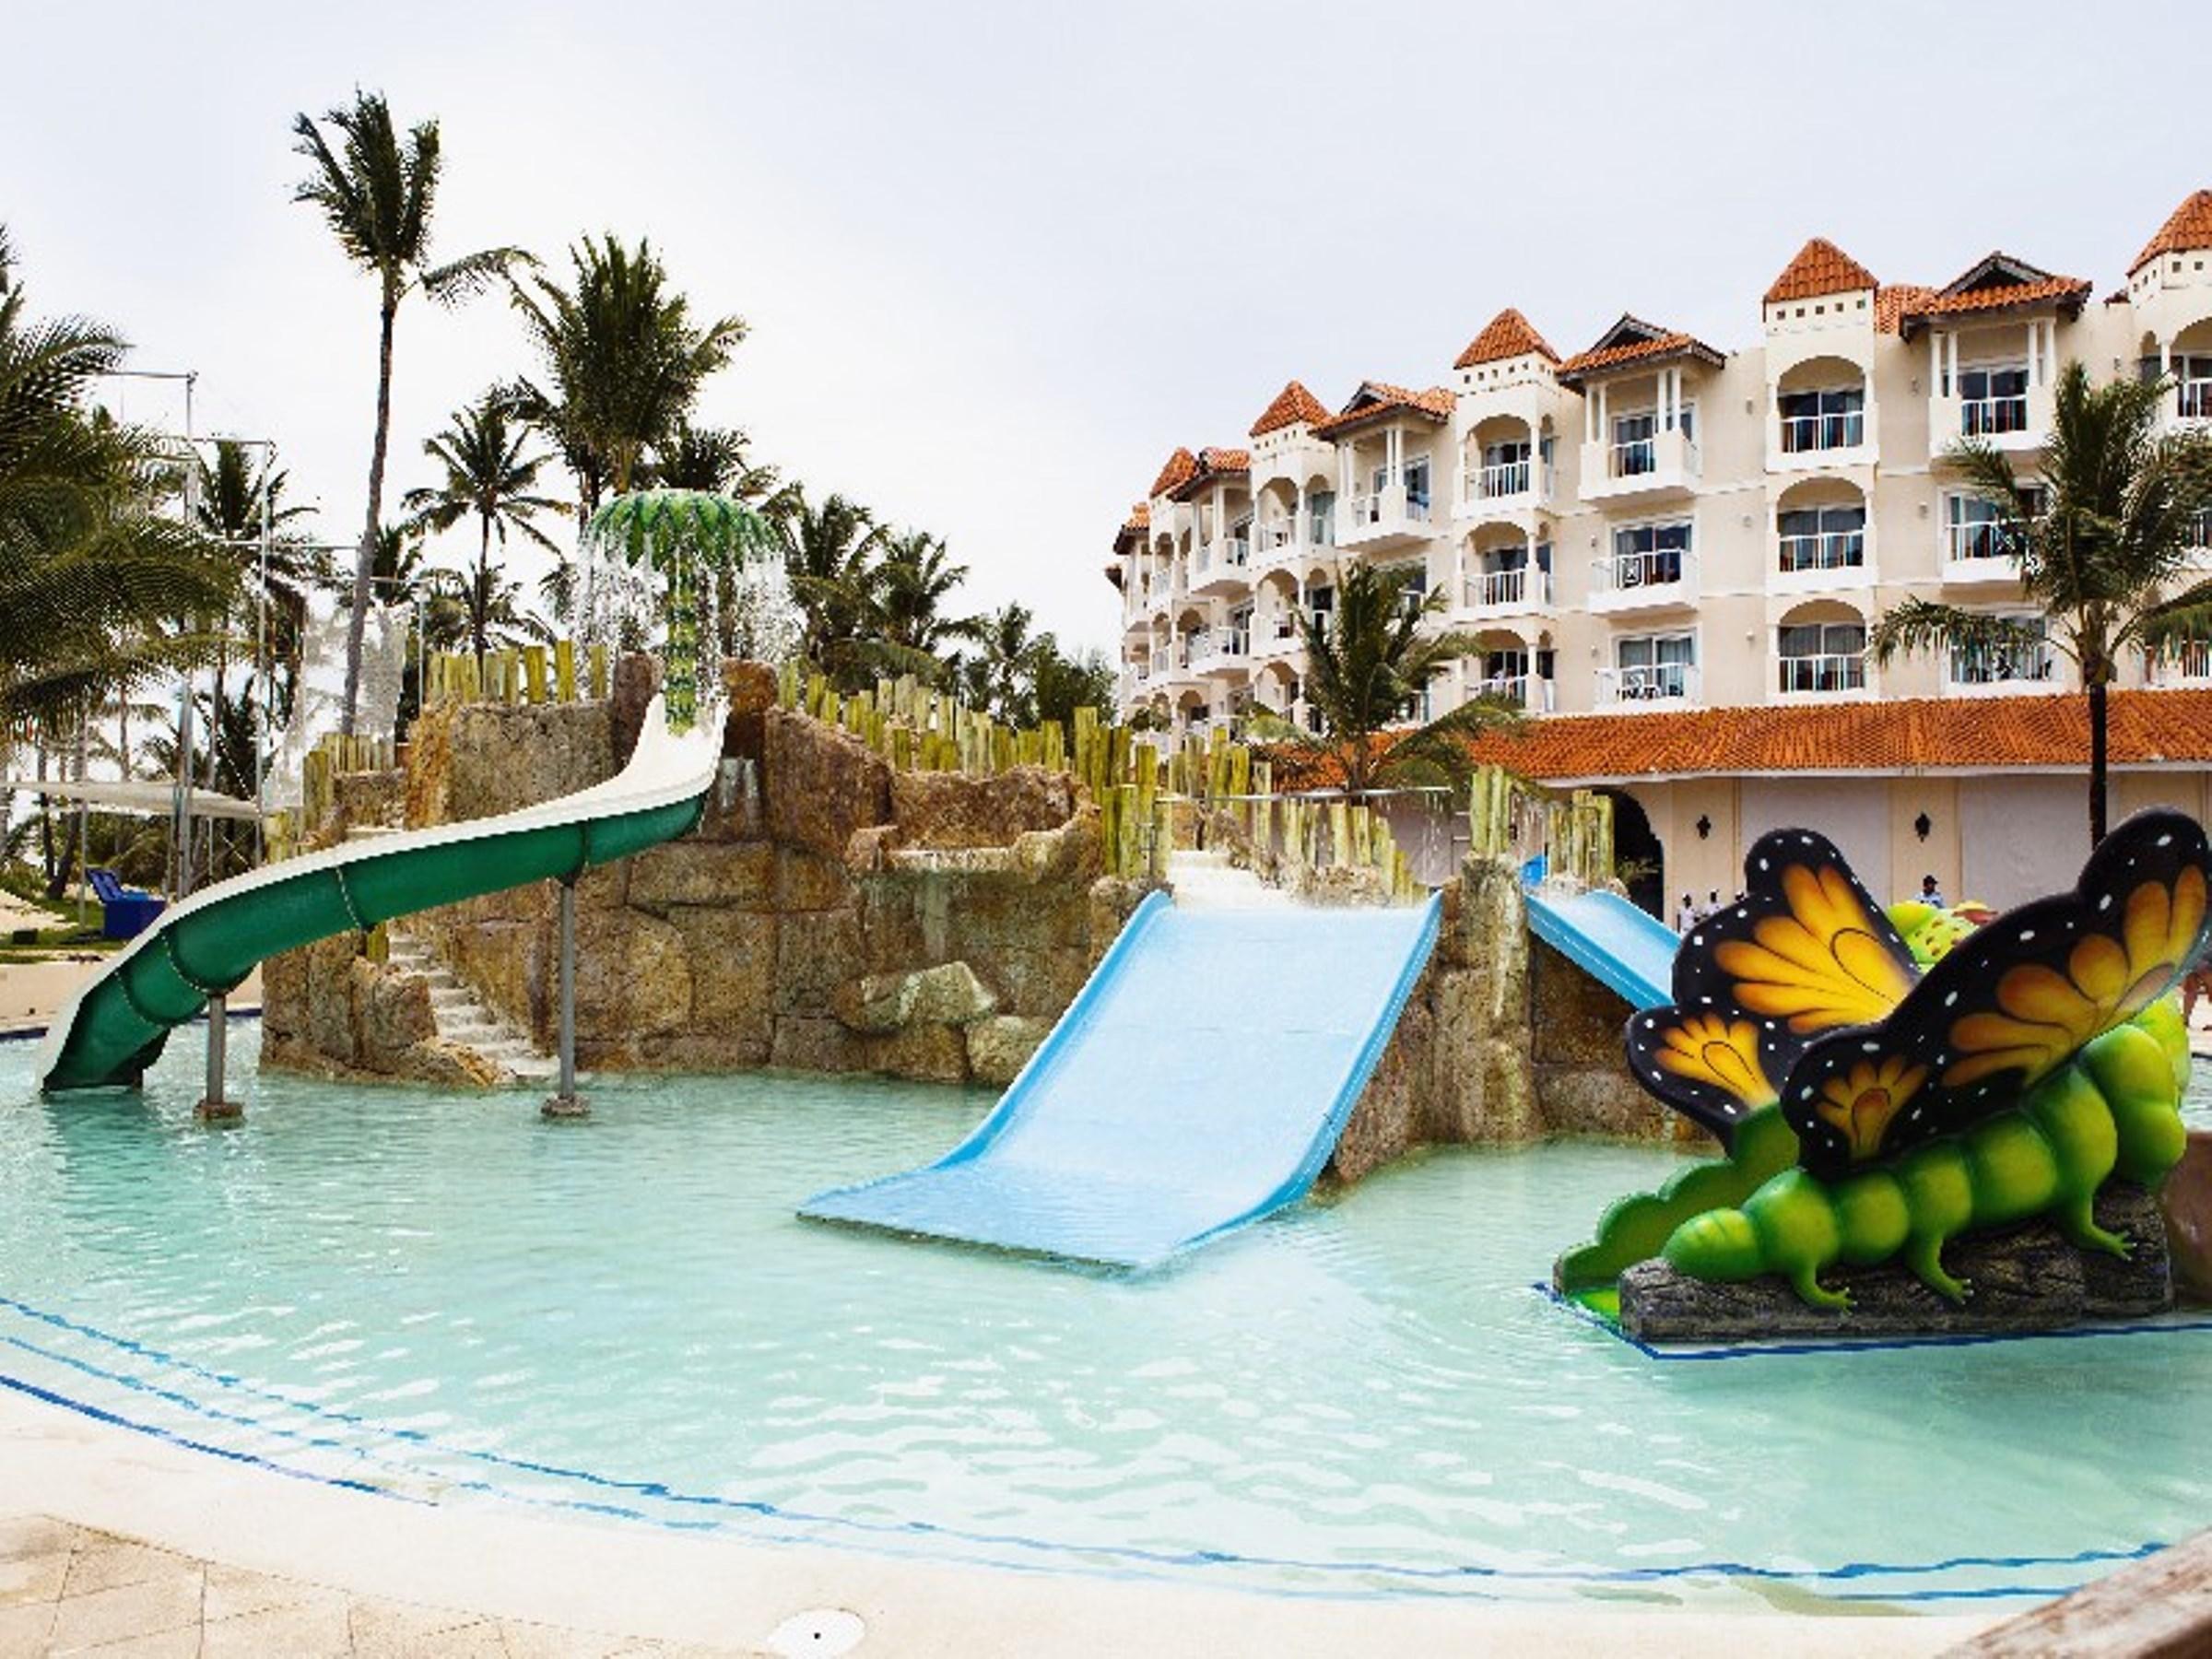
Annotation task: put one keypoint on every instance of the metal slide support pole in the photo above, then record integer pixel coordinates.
(564, 1103)
(214, 1108)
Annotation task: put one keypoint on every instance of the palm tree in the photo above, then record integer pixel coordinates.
(2102, 536)
(997, 676)
(377, 195)
(98, 594)
(1367, 668)
(827, 553)
(623, 360)
(488, 477)
(908, 591)
(710, 458)
(1060, 683)
(229, 507)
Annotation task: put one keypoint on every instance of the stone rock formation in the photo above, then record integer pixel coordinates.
(2026, 1279)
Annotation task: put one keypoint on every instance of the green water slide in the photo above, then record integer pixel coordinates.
(205, 945)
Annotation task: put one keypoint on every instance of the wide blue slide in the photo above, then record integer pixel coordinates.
(1198, 1082)
(1624, 948)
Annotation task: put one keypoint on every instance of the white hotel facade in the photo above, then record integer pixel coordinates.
(1654, 525)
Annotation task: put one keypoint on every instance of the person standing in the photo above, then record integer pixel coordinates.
(1932, 894)
(1686, 917)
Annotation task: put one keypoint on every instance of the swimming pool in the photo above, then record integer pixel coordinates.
(449, 1300)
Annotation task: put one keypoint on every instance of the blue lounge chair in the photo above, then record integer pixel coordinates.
(124, 912)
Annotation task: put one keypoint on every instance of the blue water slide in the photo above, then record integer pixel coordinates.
(1198, 1082)
(1623, 947)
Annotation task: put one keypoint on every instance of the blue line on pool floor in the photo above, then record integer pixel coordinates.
(1137, 1558)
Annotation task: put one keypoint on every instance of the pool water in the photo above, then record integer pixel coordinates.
(448, 1300)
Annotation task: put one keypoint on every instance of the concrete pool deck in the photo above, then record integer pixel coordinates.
(221, 1558)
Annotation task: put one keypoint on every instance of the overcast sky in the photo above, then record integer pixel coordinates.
(998, 260)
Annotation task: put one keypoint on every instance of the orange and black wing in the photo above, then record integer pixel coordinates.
(1805, 950)
(1710, 1068)
(2011, 1004)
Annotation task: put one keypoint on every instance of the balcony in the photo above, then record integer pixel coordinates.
(1974, 556)
(2188, 665)
(1508, 487)
(1665, 580)
(1221, 567)
(1813, 677)
(1647, 686)
(1821, 562)
(1500, 592)
(2015, 420)
(2002, 672)
(1523, 691)
(1805, 443)
(1275, 541)
(1220, 649)
(1665, 463)
(1275, 636)
(1386, 518)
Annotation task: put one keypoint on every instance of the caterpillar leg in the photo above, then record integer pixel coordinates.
(1924, 1254)
(2076, 1218)
(1806, 1280)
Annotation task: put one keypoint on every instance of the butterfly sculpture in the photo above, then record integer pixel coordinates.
(1926, 1103)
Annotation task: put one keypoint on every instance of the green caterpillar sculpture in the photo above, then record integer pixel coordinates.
(2032, 1061)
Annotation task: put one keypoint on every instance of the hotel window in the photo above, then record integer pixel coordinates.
(1823, 420)
(2008, 662)
(1822, 656)
(1321, 518)
(1417, 487)
(2192, 384)
(1411, 580)
(1504, 469)
(1635, 441)
(1993, 399)
(1322, 603)
(1822, 538)
(1653, 667)
(1976, 527)
(1650, 555)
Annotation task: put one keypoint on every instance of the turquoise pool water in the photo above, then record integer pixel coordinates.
(446, 1300)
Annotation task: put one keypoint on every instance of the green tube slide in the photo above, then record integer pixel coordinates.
(205, 946)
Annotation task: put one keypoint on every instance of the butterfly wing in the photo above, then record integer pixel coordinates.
(1804, 951)
(1712, 1068)
(2011, 1002)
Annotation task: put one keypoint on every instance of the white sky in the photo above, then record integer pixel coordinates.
(999, 259)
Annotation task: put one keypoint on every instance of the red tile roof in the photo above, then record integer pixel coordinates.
(1942, 734)
(1630, 341)
(1133, 530)
(1213, 464)
(1507, 334)
(1376, 399)
(1996, 282)
(1970, 733)
(2188, 226)
(1181, 465)
(1291, 405)
(1892, 300)
(1820, 267)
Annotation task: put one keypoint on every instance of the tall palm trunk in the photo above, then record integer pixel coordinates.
(364, 563)
(2096, 760)
(480, 610)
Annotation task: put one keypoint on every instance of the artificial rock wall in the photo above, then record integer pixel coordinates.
(828, 914)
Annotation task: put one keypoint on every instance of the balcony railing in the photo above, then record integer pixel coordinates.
(1495, 483)
(1648, 683)
(1628, 572)
(1213, 647)
(1803, 433)
(1501, 589)
(1977, 538)
(1373, 508)
(1522, 690)
(2189, 663)
(1274, 536)
(1993, 416)
(2004, 665)
(1275, 633)
(1826, 550)
(1828, 673)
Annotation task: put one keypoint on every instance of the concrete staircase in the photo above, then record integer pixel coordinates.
(463, 1017)
(1206, 880)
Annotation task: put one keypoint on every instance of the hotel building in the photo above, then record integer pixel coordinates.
(1670, 555)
